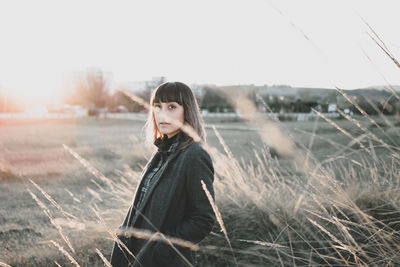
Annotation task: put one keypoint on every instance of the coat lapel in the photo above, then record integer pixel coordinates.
(157, 178)
(130, 216)
(145, 169)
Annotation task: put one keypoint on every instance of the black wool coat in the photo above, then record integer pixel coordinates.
(175, 205)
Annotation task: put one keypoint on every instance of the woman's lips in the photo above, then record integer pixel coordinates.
(164, 123)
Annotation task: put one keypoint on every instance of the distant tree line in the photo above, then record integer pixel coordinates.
(388, 106)
(215, 101)
(93, 89)
(304, 104)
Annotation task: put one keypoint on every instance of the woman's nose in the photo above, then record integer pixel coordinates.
(163, 114)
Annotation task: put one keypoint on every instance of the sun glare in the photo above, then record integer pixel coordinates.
(33, 93)
(36, 111)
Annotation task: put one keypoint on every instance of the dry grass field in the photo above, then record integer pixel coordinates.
(333, 202)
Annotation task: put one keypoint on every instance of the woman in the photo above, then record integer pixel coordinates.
(170, 198)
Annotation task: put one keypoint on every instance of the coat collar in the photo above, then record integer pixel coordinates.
(167, 146)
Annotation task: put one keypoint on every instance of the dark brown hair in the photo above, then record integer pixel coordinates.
(180, 93)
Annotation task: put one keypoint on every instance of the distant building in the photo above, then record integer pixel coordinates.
(332, 108)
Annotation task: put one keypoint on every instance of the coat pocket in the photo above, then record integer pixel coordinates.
(165, 255)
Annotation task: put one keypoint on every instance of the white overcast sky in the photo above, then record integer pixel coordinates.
(204, 41)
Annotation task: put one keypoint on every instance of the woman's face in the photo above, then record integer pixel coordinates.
(169, 117)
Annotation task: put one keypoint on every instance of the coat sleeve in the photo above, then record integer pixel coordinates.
(200, 216)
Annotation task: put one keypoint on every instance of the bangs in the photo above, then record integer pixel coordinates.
(168, 92)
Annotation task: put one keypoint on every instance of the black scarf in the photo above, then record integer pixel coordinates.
(164, 144)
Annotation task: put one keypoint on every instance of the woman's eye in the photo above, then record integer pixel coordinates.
(171, 106)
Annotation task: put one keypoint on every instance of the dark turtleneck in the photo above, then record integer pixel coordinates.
(165, 143)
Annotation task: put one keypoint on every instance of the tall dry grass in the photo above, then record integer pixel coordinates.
(336, 214)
